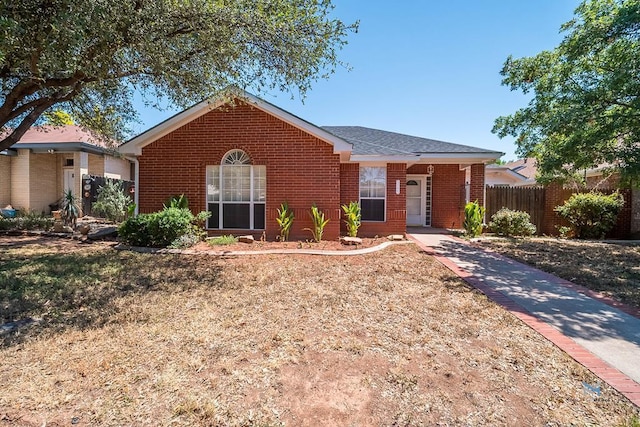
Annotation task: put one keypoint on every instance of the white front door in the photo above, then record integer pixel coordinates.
(419, 200)
(68, 180)
(415, 200)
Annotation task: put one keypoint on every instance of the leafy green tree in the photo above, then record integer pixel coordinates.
(585, 108)
(57, 118)
(89, 58)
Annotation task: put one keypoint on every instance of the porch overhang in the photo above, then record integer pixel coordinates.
(429, 158)
(57, 147)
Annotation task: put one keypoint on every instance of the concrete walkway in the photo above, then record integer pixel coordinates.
(603, 338)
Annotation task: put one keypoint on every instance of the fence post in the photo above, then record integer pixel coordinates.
(554, 196)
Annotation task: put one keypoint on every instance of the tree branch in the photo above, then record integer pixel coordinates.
(34, 114)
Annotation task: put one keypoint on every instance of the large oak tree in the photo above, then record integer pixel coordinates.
(89, 57)
(585, 106)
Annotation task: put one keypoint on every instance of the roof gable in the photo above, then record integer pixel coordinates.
(134, 146)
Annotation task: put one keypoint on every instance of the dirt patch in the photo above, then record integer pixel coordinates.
(262, 245)
(389, 338)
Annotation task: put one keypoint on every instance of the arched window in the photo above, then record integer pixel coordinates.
(236, 193)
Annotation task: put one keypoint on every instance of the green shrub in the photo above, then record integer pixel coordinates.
(185, 241)
(8, 223)
(591, 215)
(112, 201)
(507, 222)
(160, 229)
(180, 202)
(27, 221)
(285, 221)
(319, 222)
(473, 219)
(352, 218)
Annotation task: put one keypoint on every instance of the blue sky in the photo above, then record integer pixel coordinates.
(427, 68)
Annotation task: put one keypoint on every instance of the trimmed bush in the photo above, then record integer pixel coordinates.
(507, 222)
(162, 229)
(591, 215)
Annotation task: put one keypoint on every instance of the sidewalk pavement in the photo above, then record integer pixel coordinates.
(601, 337)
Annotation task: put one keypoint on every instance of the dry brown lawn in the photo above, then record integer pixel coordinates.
(391, 338)
(610, 268)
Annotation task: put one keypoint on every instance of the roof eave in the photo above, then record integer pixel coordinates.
(60, 147)
(435, 158)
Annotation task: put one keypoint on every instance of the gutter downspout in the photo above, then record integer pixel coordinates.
(136, 179)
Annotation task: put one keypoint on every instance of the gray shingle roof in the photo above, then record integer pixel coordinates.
(367, 141)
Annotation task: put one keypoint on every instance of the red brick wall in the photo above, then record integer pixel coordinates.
(448, 193)
(396, 215)
(476, 190)
(301, 169)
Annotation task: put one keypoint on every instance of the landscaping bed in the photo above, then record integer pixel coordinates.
(388, 338)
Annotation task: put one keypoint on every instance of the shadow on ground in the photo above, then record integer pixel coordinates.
(542, 294)
(79, 288)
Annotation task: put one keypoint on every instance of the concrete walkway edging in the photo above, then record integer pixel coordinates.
(223, 253)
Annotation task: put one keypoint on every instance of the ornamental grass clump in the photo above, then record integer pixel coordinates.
(473, 219)
(508, 223)
(319, 222)
(593, 214)
(285, 221)
(352, 217)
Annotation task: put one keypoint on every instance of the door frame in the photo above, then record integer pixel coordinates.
(422, 180)
(423, 198)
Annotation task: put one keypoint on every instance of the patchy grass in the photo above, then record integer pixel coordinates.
(610, 268)
(390, 338)
(222, 240)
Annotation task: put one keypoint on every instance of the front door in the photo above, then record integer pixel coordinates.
(415, 201)
(68, 180)
(419, 200)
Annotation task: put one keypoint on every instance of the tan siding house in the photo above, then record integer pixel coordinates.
(35, 171)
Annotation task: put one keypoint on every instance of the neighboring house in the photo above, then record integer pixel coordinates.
(522, 173)
(47, 160)
(240, 161)
(519, 173)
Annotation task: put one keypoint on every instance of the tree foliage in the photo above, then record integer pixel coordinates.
(89, 57)
(585, 109)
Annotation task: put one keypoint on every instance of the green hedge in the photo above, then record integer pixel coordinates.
(591, 215)
(161, 229)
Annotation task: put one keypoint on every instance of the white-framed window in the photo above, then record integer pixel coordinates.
(373, 192)
(236, 193)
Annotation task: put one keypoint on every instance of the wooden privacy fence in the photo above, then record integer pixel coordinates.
(527, 199)
(540, 203)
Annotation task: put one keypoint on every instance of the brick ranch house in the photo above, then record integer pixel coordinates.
(240, 160)
(48, 160)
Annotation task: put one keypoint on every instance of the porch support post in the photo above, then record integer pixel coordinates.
(476, 184)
